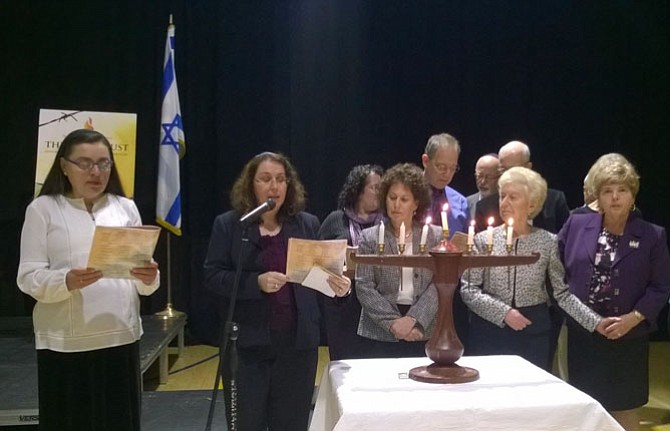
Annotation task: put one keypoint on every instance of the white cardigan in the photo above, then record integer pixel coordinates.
(56, 237)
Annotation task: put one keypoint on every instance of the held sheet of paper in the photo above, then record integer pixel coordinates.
(305, 256)
(117, 250)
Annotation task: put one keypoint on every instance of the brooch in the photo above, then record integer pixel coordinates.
(634, 244)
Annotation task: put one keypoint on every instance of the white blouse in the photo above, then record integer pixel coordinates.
(56, 237)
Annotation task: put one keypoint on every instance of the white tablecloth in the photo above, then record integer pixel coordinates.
(511, 394)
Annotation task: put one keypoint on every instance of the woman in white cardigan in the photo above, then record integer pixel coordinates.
(87, 328)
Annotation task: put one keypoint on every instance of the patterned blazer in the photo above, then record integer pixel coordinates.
(490, 292)
(377, 286)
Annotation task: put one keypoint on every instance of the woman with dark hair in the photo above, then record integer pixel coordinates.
(278, 321)
(398, 304)
(358, 209)
(619, 266)
(87, 328)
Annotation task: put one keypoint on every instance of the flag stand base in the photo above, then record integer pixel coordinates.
(170, 313)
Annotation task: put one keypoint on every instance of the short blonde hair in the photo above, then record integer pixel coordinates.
(612, 168)
(533, 183)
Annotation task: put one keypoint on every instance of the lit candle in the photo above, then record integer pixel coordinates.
(489, 232)
(424, 231)
(443, 214)
(471, 233)
(401, 240)
(510, 230)
(381, 233)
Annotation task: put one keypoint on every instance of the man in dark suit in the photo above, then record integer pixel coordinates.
(555, 210)
(486, 178)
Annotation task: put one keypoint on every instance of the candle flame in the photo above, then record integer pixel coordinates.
(429, 219)
(472, 223)
(445, 207)
(510, 222)
(491, 220)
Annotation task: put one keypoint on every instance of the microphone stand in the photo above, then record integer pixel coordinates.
(228, 337)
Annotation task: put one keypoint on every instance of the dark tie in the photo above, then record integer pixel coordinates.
(438, 200)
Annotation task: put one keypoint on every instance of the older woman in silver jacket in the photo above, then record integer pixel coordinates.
(510, 304)
(398, 304)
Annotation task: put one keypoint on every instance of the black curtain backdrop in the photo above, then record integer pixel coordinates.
(333, 84)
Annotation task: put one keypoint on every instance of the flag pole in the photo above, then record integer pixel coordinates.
(171, 149)
(169, 312)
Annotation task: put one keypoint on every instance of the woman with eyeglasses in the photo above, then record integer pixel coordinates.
(279, 321)
(617, 264)
(87, 328)
(358, 205)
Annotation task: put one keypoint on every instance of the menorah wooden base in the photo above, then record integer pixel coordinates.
(444, 347)
(443, 374)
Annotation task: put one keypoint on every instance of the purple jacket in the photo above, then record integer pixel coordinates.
(640, 271)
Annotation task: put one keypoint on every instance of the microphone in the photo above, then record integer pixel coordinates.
(254, 214)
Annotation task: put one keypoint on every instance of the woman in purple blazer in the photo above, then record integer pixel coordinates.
(618, 264)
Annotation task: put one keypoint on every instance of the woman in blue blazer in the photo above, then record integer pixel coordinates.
(618, 264)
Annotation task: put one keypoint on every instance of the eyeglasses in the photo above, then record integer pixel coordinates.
(484, 177)
(267, 179)
(441, 167)
(87, 164)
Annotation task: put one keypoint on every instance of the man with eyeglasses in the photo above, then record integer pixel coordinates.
(486, 178)
(440, 163)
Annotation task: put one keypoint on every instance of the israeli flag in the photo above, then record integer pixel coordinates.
(172, 146)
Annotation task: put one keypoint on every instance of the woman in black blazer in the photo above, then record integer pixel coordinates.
(278, 320)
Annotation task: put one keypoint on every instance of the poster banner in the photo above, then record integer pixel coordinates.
(119, 128)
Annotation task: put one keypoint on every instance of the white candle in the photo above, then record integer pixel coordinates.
(443, 214)
(401, 239)
(424, 232)
(471, 233)
(510, 230)
(381, 233)
(489, 232)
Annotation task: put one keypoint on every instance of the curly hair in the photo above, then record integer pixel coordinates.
(354, 185)
(56, 183)
(411, 176)
(243, 199)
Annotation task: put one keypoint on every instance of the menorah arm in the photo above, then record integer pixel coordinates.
(414, 261)
(478, 261)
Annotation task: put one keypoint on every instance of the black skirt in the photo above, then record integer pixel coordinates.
(614, 372)
(97, 390)
(532, 343)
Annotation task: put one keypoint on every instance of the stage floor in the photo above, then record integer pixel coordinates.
(18, 373)
(170, 411)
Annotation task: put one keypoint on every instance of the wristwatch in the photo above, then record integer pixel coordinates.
(639, 316)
